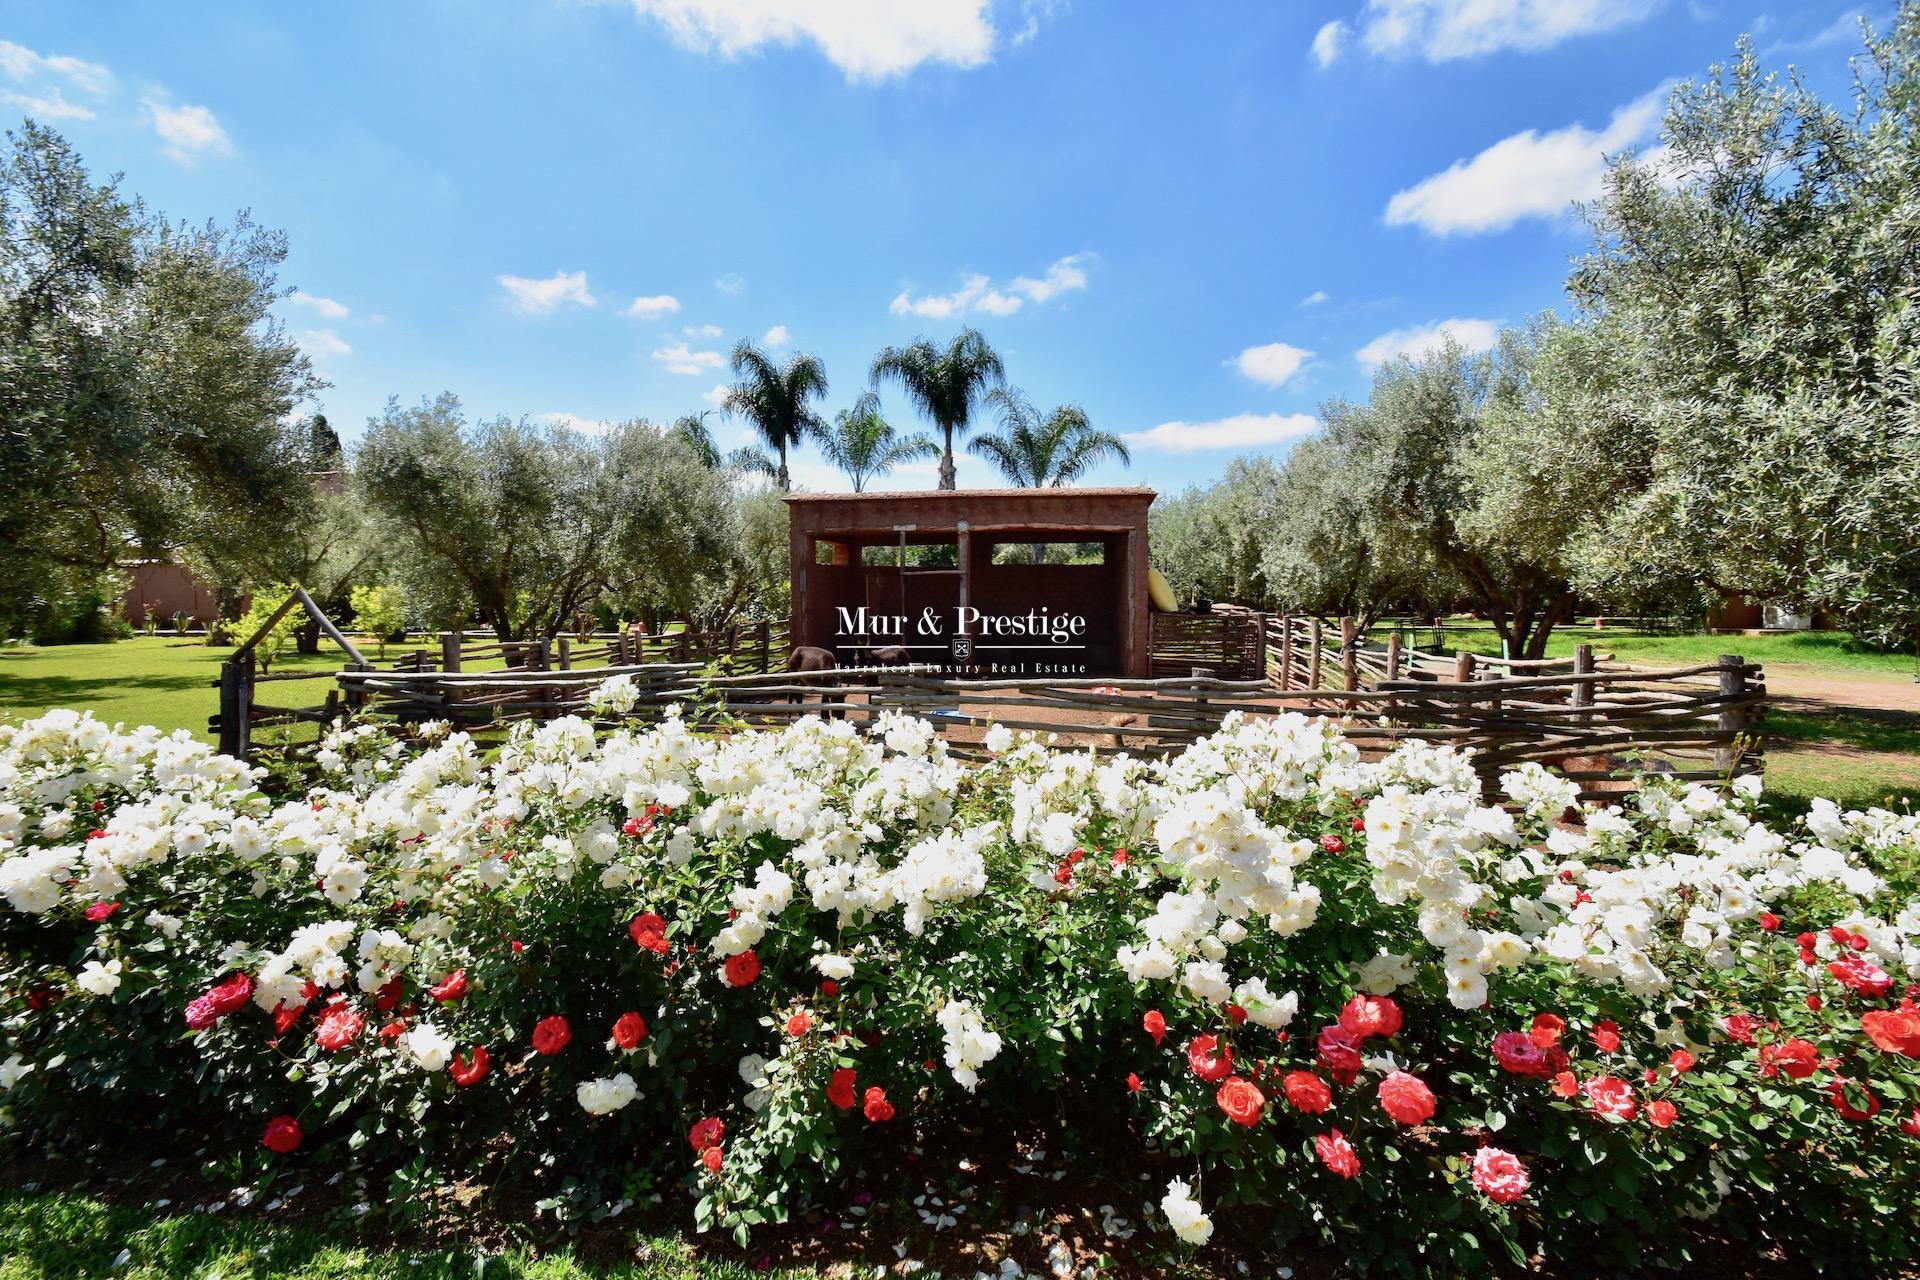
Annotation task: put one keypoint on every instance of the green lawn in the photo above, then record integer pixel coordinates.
(1832, 651)
(53, 1235)
(165, 681)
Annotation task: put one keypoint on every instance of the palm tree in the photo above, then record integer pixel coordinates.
(1040, 453)
(943, 385)
(774, 398)
(692, 430)
(865, 446)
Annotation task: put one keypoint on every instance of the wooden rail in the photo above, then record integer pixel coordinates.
(1585, 714)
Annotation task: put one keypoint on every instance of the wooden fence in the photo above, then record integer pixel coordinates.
(1586, 714)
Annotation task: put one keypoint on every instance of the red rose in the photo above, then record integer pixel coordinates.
(1861, 974)
(551, 1035)
(283, 1135)
(1769, 921)
(828, 987)
(1307, 1092)
(338, 1027)
(741, 970)
(1844, 1091)
(1814, 1002)
(1499, 1175)
(1406, 1099)
(1209, 1059)
(1133, 1082)
(1565, 1085)
(101, 910)
(1612, 1098)
(387, 999)
(1661, 1114)
(840, 1092)
(1894, 1030)
(471, 1069)
(1366, 1016)
(1241, 1100)
(1516, 1052)
(1547, 1029)
(629, 1029)
(450, 988)
(1332, 843)
(1740, 1027)
(1156, 1025)
(393, 1030)
(1236, 1015)
(649, 933)
(1911, 1125)
(707, 1133)
(221, 999)
(799, 1024)
(1681, 1061)
(876, 1107)
(712, 1159)
(1606, 1036)
(1336, 1153)
(1796, 1058)
(1337, 1054)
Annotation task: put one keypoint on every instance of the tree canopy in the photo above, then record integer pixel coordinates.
(946, 386)
(145, 388)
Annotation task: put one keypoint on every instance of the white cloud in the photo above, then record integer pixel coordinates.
(1529, 175)
(1315, 298)
(978, 292)
(776, 337)
(324, 342)
(660, 304)
(732, 282)
(1034, 13)
(50, 105)
(1328, 41)
(1065, 274)
(188, 131)
(1441, 30)
(702, 330)
(716, 395)
(574, 422)
(1418, 339)
(867, 39)
(23, 64)
(1271, 365)
(679, 358)
(325, 306)
(537, 297)
(1242, 431)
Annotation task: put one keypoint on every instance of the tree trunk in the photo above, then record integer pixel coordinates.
(946, 463)
(306, 637)
(785, 486)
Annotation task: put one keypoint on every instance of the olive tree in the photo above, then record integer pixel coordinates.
(1748, 343)
(144, 382)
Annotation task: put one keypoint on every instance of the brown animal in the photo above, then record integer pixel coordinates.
(818, 668)
(892, 655)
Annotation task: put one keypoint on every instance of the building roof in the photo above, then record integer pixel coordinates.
(950, 495)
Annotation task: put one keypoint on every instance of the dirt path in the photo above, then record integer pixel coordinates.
(1895, 699)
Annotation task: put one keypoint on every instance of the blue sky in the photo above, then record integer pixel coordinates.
(1198, 221)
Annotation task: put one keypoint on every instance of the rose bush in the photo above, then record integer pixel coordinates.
(1435, 1029)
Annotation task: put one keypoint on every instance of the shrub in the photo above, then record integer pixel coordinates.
(1432, 1030)
(380, 611)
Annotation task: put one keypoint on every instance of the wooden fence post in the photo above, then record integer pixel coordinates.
(1583, 691)
(450, 651)
(764, 641)
(1462, 668)
(1286, 652)
(566, 653)
(1732, 720)
(1349, 655)
(236, 695)
(1314, 645)
(1393, 655)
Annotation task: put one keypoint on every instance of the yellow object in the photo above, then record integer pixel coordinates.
(1160, 594)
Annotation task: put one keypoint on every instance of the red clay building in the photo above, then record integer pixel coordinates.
(854, 590)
